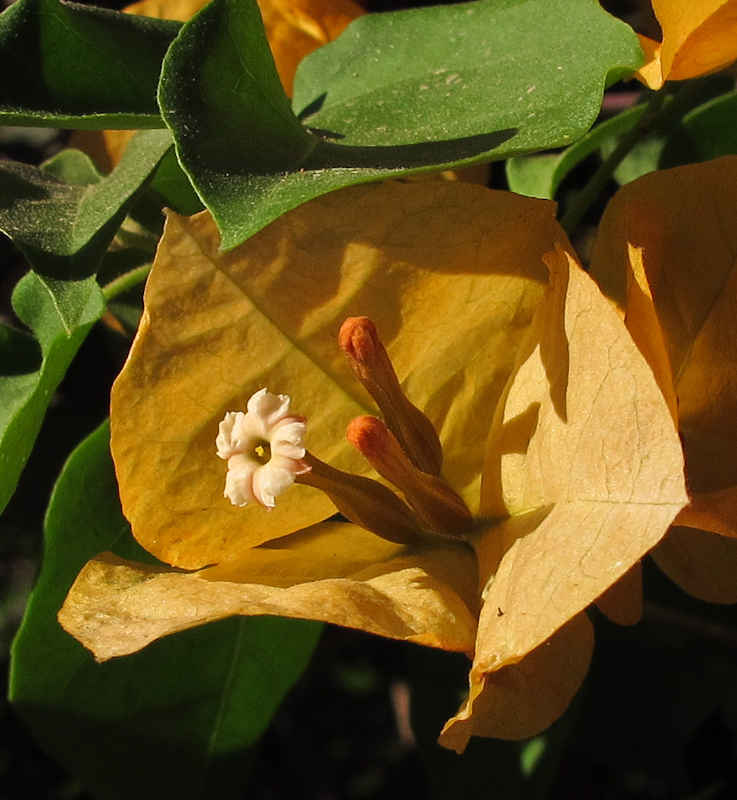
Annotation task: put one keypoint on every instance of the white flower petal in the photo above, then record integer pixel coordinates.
(270, 481)
(268, 408)
(266, 422)
(287, 450)
(239, 480)
(290, 429)
(226, 442)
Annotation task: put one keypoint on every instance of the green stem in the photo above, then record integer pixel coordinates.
(657, 115)
(125, 281)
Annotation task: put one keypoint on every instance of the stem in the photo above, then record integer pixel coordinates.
(658, 114)
(125, 281)
(585, 198)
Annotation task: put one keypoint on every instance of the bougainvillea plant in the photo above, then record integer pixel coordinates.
(370, 382)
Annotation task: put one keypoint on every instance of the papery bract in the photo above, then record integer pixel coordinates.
(582, 470)
(665, 253)
(582, 450)
(699, 37)
(269, 314)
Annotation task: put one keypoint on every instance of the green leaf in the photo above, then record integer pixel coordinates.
(172, 721)
(540, 175)
(707, 132)
(172, 189)
(529, 66)
(696, 124)
(31, 369)
(64, 216)
(642, 159)
(396, 93)
(534, 175)
(81, 66)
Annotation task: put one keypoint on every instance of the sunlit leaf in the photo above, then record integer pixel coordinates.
(375, 87)
(175, 720)
(251, 159)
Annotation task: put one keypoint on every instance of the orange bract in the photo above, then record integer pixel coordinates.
(528, 374)
(665, 252)
(699, 37)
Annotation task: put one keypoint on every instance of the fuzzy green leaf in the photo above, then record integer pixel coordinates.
(397, 93)
(81, 67)
(32, 368)
(64, 216)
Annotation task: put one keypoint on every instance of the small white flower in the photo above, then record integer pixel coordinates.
(263, 448)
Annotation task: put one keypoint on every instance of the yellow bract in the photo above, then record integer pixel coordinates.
(699, 37)
(665, 252)
(219, 326)
(528, 374)
(583, 456)
(333, 572)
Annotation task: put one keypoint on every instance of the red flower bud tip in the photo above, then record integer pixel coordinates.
(370, 362)
(369, 436)
(359, 339)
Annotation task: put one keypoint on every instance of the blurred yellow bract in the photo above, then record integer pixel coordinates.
(699, 37)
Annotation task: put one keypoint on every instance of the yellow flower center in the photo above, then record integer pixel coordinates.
(262, 452)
